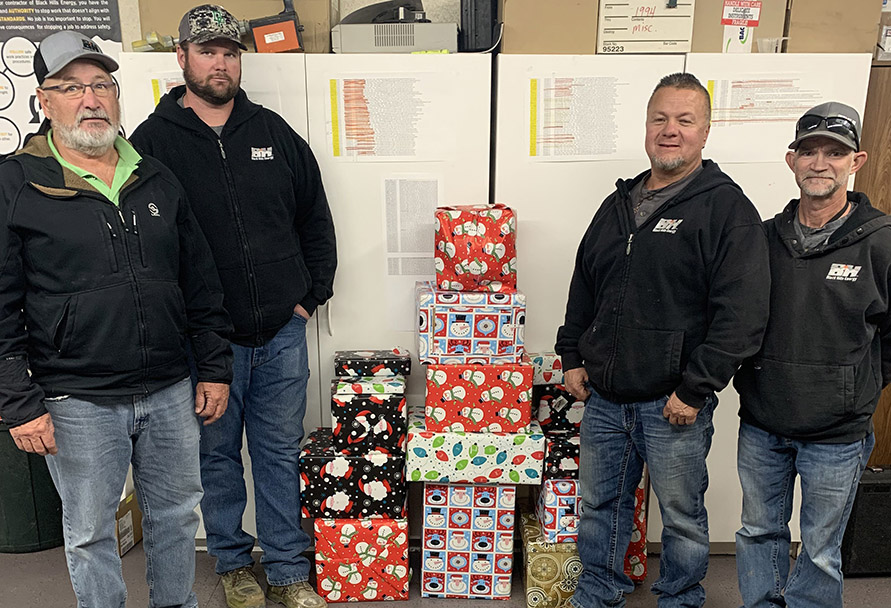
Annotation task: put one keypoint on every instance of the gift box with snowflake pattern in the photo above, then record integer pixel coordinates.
(459, 457)
(479, 398)
(362, 560)
(340, 486)
(468, 541)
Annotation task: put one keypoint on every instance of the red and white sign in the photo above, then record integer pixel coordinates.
(741, 13)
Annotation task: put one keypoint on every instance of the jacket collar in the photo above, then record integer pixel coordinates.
(169, 109)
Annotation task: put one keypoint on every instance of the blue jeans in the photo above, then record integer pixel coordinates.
(267, 401)
(98, 438)
(616, 440)
(829, 472)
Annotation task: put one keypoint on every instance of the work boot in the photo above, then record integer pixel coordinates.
(242, 589)
(295, 595)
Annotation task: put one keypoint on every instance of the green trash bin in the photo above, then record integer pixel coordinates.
(30, 508)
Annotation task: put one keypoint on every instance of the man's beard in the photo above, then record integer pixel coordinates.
(90, 142)
(815, 191)
(208, 92)
(668, 164)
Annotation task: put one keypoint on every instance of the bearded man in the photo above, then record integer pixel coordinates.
(256, 190)
(105, 278)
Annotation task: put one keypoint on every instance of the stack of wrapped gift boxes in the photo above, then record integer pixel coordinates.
(549, 537)
(475, 439)
(352, 480)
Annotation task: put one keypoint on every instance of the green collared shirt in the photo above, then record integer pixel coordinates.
(128, 160)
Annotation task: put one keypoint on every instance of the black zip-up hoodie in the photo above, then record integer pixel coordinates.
(257, 193)
(827, 351)
(674, 305)
(99, 300)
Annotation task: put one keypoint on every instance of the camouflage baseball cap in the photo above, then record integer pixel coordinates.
(209, 22)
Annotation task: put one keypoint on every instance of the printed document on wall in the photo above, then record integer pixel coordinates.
(381, 118)
(410, 201)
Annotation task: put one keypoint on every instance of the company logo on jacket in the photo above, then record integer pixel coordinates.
(666, 225)
(261, 153)
(843, 272)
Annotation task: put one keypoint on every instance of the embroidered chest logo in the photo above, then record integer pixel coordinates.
(153, 209)
(666, 225)
(261, 153)
(843, 272)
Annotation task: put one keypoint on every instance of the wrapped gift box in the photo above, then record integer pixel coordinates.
(479, 398)
(352, 487)
(468, 541)
(558, 510)
(476, 248)
(562, 460)
(368, 385)
(394, 362)
(558, 412)
(458, 457)
(552, 569)
(362, 423)
(361, 560)
(469, 327)
(548, 368)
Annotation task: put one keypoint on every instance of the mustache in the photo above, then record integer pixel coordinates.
(88, 113)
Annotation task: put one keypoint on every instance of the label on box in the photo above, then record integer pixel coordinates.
(126, 537)
(741, 13)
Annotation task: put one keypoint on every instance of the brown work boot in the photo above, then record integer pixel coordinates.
(242, 589)
(296, 595)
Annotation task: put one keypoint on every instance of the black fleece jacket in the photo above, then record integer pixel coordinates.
(674, 305)
(257, 193)
(99, 300)
(827, 350)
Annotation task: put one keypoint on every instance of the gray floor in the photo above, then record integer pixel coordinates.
(41, 580)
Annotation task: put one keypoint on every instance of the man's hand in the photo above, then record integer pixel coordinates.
(299, 310)
(37, 436)
(574, 380)
(678, 412)
(211, 399)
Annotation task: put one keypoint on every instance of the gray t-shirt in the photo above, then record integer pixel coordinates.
(217, 130)
(644, 203)
(812, 238)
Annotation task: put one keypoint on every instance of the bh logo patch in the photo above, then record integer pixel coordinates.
(261, 153)
(666, 225)
(843, 272)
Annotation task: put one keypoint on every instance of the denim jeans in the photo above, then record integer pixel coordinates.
(829, 473)
(616, 440)
(98, 438)
(267, 401)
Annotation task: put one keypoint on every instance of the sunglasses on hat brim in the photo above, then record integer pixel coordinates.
(835, 124)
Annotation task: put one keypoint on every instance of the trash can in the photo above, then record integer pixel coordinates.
(30, 508)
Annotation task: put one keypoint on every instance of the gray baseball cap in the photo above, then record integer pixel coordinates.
(209, 22)
(834, 120)
(59, 49)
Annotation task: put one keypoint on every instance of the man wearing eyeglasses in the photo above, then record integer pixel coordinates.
(105, 276)
(808, 396)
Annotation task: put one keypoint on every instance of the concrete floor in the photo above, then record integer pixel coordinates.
(40, 580)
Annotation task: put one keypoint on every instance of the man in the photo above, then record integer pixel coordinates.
(104, 278)
(668, 296)
(257, 193)
(808, 396)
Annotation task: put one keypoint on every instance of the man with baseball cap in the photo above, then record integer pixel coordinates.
(257, 193)
(808, 396)
(105, 277)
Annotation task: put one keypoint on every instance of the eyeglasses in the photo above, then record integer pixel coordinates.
(835, 124)
(76, 90)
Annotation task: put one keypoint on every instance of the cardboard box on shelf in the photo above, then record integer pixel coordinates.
(556, 27)
(830, 26)
(128, 524)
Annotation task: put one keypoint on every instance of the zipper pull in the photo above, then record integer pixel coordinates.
(222, 150)
(123, 221)
(111, 230)
(628, 247)
(135, 231)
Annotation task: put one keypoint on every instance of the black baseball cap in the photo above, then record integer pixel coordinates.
(59, 49)
(834, 120)
(209, 22)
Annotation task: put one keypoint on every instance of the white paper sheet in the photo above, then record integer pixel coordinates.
(647, 26)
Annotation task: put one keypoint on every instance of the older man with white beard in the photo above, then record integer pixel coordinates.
(105, 275)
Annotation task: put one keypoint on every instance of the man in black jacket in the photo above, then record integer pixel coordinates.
(256, 190)
(808, 396)
(668, 296)
(105, 277)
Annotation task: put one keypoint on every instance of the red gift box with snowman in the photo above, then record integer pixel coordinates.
(476, 248)
(468, 541)
(479, 398)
